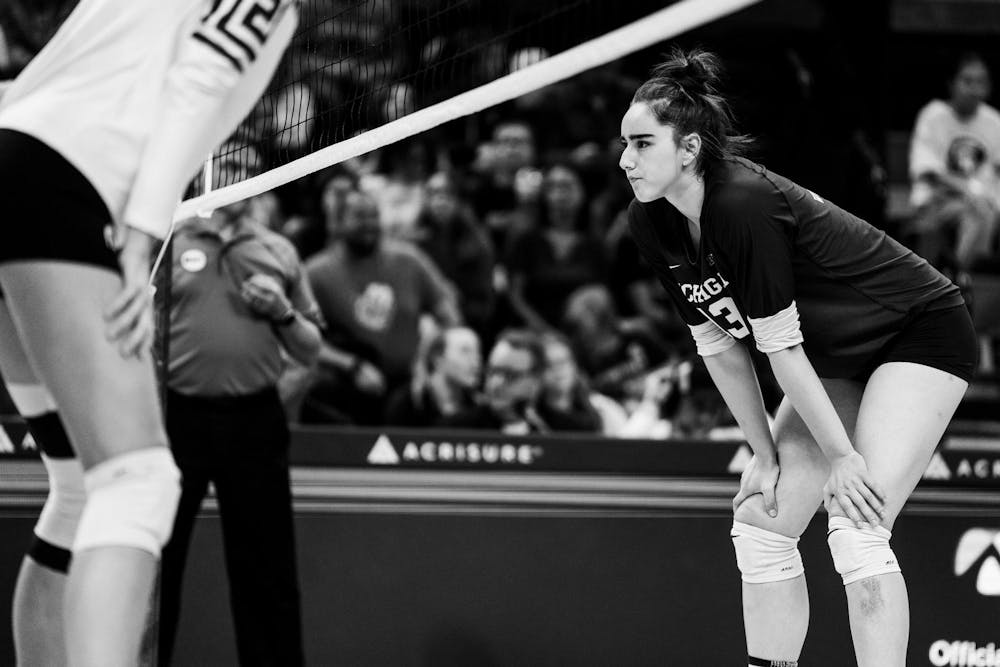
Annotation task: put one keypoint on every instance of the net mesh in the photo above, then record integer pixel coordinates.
(356, 66)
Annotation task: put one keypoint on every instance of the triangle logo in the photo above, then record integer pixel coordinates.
(383, 453)
(740, 460)
(937, 468)
(6, 444)
(988, 580)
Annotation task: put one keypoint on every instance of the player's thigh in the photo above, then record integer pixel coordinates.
(905, 411)
(108, 403)
(804, 468)
(13, 361)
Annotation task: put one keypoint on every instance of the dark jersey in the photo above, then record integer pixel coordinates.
(779, 265)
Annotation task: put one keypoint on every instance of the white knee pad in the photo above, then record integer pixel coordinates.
(859, 553)
(131, 501)
(31, 399)
(764, 556)
(60, 517)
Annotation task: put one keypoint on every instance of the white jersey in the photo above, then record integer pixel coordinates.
(136, 93)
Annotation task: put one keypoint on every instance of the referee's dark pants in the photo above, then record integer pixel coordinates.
(240, 444)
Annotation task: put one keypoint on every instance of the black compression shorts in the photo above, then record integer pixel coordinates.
(943, 339)
(51, 211)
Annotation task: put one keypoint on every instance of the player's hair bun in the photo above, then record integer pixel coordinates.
(696, 72)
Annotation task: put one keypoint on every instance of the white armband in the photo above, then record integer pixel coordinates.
(777, 332)
(710, 338)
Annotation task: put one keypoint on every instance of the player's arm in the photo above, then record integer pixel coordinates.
(728, 363)
(219, 74)
(734, 375)
(759, 250)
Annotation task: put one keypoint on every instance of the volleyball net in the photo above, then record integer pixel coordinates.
(363, 75)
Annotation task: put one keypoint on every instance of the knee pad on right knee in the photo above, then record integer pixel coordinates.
(764, 556)
(131, 501)
(859, 553)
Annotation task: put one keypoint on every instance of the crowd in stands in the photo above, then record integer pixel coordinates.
(500, 289)
(482, 275)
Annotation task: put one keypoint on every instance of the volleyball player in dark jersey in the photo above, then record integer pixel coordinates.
(872, 347)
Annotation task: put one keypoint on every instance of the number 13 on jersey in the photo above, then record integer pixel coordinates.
(723, 312)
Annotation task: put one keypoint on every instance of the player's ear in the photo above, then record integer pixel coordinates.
(690, 148)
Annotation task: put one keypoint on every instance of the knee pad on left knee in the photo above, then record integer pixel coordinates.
(764, 556)
(131, 501)
(859, 553)
(60, 517)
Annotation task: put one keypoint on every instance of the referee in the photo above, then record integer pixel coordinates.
(239, 302)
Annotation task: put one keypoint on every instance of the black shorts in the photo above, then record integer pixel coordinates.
(51, 211)
(943, 339)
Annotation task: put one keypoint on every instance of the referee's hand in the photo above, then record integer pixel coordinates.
(129, 317)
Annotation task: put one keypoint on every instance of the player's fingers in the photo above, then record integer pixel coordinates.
(866, 510)
(770, 501)
(122, 300)
(740, 496)
(875, 488)
(124, 317)
(847, 505)
(872, 501)
(138, 339)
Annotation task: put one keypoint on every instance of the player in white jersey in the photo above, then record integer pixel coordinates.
(101, 132)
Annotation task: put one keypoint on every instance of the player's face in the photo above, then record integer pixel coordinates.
(651, 159)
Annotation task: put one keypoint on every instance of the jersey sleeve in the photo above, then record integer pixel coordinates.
(219, 73)
(755, 246)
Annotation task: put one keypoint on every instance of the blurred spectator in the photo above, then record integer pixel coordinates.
(652, 416)
(615, 355)
(548, 262)
(445, 380)
(511, 388)
(566, 402)
(448, 232)
(293, 116)
(637, 292)
(309, 233)
(495, 196)
(701, 413)
(373, 293)
(954, 158)
(265, 210)
(398, 185)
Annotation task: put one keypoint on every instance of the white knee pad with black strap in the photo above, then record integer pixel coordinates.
(764, 556)
(859, 553)
(60, 517)
(131, 501)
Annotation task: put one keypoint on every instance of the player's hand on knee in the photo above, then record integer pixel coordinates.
(129, 317)
(760, 476)
(852, 487)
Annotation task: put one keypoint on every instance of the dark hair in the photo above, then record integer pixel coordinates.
(966, 59)
(683, 92)
(528, 341)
